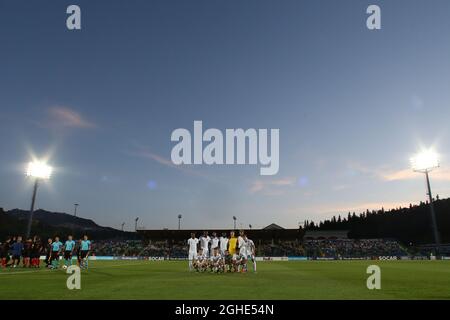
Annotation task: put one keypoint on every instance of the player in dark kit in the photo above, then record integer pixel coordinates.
(26, 253)
(48, 251)
(78, 251)
(36, 251)
(4, 252)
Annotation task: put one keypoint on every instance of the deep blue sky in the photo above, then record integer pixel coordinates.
(352, 106)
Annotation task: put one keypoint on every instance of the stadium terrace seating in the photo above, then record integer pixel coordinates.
(324, 248)
(347, 248)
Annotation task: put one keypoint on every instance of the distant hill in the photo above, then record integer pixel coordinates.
(49, 224)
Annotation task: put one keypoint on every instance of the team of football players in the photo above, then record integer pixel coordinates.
(30, 251)
(221, 254)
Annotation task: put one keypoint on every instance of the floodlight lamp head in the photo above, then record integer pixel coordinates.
(425, 161)
(39, 170)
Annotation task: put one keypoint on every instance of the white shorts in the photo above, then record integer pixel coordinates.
(192, 255)
(235, 256)
(205, 252)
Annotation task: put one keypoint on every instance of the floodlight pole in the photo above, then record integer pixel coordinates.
(437, 240)
(33, 199)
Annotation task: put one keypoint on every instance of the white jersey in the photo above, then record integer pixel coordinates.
(215, 258)
(250, 246)
(204, 241)
(214, 243)
(242, 246)
(223, 244)
(192, 242)
(201, 258)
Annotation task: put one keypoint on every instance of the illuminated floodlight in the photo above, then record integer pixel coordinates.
(40, 170)
(425, 161)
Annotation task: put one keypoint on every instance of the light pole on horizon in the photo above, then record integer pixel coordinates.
(425, 162)
(234, 219)
(38, 171)
(136, 223)
(123, 224)
(179, 221)
(75, 210)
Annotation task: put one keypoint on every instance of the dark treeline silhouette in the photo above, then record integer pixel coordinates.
(408, 225)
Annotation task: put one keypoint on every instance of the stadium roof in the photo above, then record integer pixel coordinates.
(273, 226)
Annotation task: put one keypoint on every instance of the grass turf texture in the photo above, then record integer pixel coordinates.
(274, 280)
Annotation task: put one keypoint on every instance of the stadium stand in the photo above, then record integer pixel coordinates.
(324, 248)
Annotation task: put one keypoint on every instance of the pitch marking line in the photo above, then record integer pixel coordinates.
(41, 270)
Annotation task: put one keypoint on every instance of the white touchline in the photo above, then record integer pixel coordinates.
(93, 267)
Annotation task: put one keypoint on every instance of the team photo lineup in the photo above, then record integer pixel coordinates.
(221, 254)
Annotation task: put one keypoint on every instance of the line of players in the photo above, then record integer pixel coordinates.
(30, 251)
(227, 254)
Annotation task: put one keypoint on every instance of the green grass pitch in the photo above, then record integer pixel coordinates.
(274, 280)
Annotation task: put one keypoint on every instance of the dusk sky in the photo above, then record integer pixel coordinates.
(352, 106)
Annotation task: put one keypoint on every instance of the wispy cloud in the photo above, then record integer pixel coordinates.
(144, 152)
(271, 187)
(386, 173)
(408, 174)
(66, 117)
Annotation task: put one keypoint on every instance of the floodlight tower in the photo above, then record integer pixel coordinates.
(38, 171)
(123, 225)
(425, 162)
(179, 221)
(234, 219)
(75, 210)
(136, 223)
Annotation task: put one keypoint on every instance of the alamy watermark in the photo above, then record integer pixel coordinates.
(190, 149)
(374, 280)
(74, 280)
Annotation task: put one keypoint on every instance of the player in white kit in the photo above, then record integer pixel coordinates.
(214, 242)
(223, 243)
(204, 243)
(192, 243)
(201, 263)
(242, 258)
(216, 262)
(251, 251)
